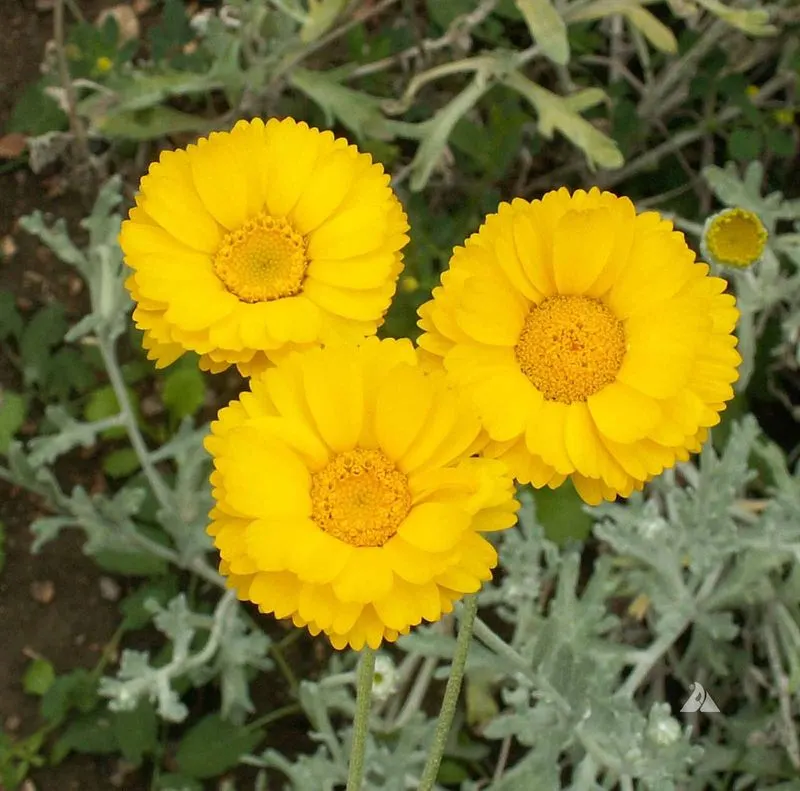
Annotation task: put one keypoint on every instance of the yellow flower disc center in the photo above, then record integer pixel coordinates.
(263, 260)
(736, 237)
(571, 347)
(360, 497)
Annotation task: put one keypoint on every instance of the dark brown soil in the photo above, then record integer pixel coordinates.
(71, 629)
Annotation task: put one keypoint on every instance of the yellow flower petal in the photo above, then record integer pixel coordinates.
(317, 605)
(334, 392)
(547, 436)
(324, 194)
(315, 556)
(572, 231)
(366, 577)
(402, 408)
(414, 565)
(533, 249)
(622, 413)
(226, 153)
(490, 313)
(400, 609)
(276, 592)
(169, 197)
(264, 478)
(365, 272)
(350, 233)
(434, 527)
(288, 160)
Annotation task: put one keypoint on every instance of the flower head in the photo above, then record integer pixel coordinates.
(784, 116)
(346, 495)
(588, 338)
(385, 678)
(261, 240)
(734, 237)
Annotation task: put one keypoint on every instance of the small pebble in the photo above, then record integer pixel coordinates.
(110, 589)
(8, 246)
(43, 591)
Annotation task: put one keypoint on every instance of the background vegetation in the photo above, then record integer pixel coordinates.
(600, 620)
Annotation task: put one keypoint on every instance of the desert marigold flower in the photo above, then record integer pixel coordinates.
(734, 237)
(257, 241)
(591, 342)
(346, 494)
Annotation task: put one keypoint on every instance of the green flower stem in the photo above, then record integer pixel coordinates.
(160, 490)
(451, 692)
(366, 674)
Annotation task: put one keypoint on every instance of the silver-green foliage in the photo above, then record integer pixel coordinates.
(582, 674)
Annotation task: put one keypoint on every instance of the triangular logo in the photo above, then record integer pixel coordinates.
(708, 705)
(699, 700)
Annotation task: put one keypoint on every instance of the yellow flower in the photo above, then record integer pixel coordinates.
(591, 342)
(409, 284)
(784, 116)
(346, 495)
(261, 240)
(104, 64)
(734, 237)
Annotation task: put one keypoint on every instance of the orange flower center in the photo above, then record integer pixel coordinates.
(263, 260)
(360, 497)
(571, 347)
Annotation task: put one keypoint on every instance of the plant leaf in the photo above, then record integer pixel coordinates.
(149, 124)
(12, 415)
(121, 463)
(754, 21)
(172, 782)
(437, 131)
(134, 564)
(560, 512)
(321, 16)
(556, 112)
(547, 28)
(76, 690)
(10, 318)
(184, 391)
(39, 677)
(659, 35)
(213, 746)
(91, 734)
(136, 731)
(358, 111)
(43, 332)
(652, 28)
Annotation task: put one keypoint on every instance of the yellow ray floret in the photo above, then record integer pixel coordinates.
(269, 238)
(348, 497)
(588, 338)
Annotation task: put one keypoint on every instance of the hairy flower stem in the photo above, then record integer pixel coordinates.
(366, 674)
(80, 140)
(451, 692)
(160, 489)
